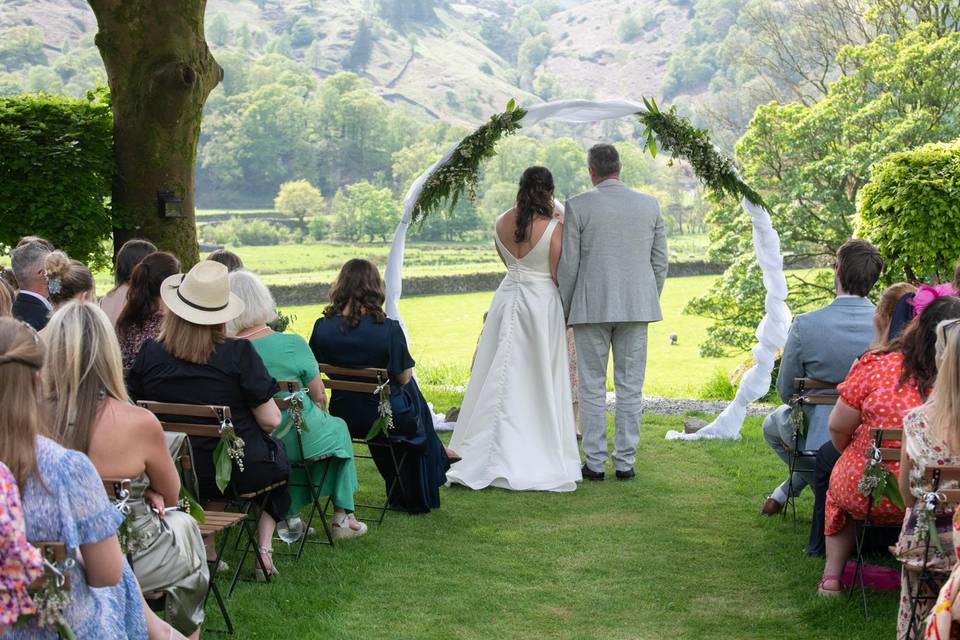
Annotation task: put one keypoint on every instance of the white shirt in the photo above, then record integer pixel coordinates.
(39, 297)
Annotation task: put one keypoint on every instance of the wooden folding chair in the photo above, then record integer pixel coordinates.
(806, 391)
(369, 380)
(286, 399)
(182, 418)
(944, 495)
(886, 448)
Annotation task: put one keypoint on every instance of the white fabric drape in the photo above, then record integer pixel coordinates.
(772, 332)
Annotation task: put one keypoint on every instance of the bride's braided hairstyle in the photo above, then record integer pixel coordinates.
(535, 198)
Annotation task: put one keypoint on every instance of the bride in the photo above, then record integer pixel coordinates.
(516, 428)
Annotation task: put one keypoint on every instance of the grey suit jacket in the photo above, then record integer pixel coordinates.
(614, 260)
(823, 344)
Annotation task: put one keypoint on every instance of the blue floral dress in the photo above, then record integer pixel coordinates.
(71, 506)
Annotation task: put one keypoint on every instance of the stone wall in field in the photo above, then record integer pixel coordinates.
(303, 294)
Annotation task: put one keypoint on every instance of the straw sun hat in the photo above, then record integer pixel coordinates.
(202, 296)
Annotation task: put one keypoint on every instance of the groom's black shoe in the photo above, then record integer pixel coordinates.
(590, 474)
(626, 475)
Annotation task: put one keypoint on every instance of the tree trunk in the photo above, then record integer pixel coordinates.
(160, 72)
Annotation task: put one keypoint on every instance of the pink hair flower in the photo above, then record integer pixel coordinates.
(928, 293)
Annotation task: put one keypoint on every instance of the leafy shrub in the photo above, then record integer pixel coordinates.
(910, 210)
(718, 387)
(56, 168)
(318, 228)
(254, 233)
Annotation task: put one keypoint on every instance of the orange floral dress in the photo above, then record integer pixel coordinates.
(873, 388)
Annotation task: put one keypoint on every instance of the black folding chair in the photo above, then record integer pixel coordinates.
(373, 381)
(292, 402)
(941, 502)
(807, 391)
(250, 504)
(885, 448)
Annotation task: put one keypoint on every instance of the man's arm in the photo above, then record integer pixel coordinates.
(569, 265)
(658, 253)
(791, 363)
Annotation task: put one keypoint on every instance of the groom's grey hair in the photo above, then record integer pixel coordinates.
(604, 159)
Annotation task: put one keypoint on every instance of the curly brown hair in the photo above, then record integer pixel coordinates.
(357, 291)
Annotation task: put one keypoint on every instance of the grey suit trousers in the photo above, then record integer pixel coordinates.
(629, 342)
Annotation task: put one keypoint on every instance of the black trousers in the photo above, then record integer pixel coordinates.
(823, 464)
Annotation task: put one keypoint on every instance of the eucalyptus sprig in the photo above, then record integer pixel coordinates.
(675, 134)
(461, 172)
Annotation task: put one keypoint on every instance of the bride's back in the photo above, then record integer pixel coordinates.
(506, 233)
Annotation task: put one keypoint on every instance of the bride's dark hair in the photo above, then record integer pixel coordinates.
(535, 198)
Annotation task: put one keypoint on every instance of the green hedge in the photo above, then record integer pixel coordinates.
(56, 170)
(910, 210)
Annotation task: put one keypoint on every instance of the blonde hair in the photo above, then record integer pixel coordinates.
(259, 306)
(943, 406)
(21, 356)
(83, 367)
(883, 315)
(66, 278)
(188, 341)
(6, 299)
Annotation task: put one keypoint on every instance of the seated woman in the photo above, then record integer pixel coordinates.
(90, 412)
(931, 439)
(878, 392)
(129, 256)
(67, 280)
(355, 332)
(63, 501)
(20, 562)
(287, 357)
(227, 258)
(193, 362)
(142, 316)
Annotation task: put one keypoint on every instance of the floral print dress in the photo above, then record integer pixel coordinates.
(873, 388)
(20, 563)
(911, 548)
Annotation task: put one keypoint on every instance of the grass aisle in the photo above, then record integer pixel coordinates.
(678, 553)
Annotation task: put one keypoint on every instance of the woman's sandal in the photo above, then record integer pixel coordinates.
(271, 570)
(822, 590)
(348, 527)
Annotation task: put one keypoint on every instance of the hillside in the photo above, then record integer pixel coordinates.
(460, 64)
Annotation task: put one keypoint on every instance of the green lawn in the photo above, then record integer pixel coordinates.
(678, 553)
(444, 330)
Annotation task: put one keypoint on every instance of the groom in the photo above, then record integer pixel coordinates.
(611, 273)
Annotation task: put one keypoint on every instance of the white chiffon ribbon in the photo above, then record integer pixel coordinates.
(772, 332)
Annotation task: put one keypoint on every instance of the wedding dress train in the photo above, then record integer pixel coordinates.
(516, 428)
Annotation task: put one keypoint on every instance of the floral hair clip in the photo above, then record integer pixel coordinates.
(54, 285)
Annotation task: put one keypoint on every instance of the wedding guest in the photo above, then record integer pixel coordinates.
(827, 454)
(128, 257)
(227, 258)
(36, 240)
(193, 362)
(355, 332)
(90, 412)
(20, 562)
(877, 393)
(67, 280)
(8, 279)
(6, 299)
(31, 304)
(931, 439)
(143, 312)
(63, 500)
(288, 357)
(821, 345)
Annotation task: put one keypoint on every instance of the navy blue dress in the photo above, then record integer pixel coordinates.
(383, 345)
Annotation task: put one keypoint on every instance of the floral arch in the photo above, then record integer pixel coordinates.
(457, 172)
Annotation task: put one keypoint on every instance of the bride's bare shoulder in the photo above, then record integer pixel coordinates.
(507, 218)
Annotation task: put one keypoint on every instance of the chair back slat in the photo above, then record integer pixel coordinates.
(823, 393)
(946, 472)
(368, 373)
(886, 435)
(349, 385)
(811, 383)
(288, 386)
(168, 412)
(890, 454)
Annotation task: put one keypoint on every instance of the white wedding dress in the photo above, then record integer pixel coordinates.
(516, 428)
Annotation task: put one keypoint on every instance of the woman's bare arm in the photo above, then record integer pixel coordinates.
(843, 423)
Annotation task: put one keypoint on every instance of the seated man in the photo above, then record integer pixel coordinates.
(822, 345)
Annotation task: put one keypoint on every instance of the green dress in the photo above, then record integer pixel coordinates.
(287, 357)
